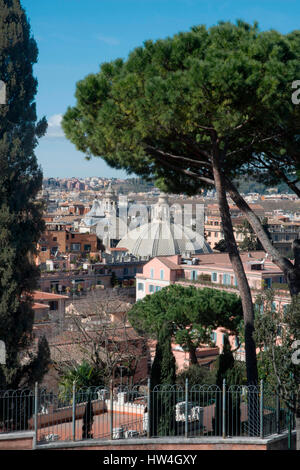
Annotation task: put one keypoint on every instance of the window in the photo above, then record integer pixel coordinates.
(151, 288)
(141, 287)
(162, 274)
(214, 277)
(213, 336)
(157, 288)
(152, 273)
(194, 275)
(226, 279)
(75, 247)
(87, 247)
(44, 248)
(53, 305)
(268, 282)
(55, 239)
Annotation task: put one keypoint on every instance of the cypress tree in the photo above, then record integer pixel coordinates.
(21, 222)
(88, 419)
(163, 372)
(225, 368)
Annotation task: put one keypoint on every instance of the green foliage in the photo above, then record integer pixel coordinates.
(234, 373)
(221, 246)
(191, 313)
(275, 333)
(163, 372)
(163, 369)
(225, 362)
(251, 185)
(38, 366)
(165, 99)
(179, 106)
(250, 241)
(84, 375)
(237, 375)
(197, 374)
(114, 280)
(21, 222)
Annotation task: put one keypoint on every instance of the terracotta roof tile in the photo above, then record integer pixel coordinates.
(36, 306)
(38, 295)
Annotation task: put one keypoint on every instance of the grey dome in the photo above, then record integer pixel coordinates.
(162, 238)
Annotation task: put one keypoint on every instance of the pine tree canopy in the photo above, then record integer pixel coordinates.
(190, 314)
(155, 113)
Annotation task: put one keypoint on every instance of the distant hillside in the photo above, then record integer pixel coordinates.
(248, 185)
(133, 185)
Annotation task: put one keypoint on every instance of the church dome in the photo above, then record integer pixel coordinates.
(162, 237)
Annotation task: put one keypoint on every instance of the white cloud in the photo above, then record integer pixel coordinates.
(108, 40)
(54, 126)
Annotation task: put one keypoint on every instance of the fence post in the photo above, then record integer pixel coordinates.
(224, 409)
(148, 408)
(111, 410)
(186, 407)
(74, 411)
(36, 391)
(277, 413)
(261, 413)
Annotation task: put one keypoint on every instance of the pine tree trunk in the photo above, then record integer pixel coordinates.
(245, 293)
(193, 356)
(298, 432)
(291, 271)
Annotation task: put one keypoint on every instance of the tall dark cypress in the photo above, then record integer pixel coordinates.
(163, 372)
(21, 222)
(225, 368)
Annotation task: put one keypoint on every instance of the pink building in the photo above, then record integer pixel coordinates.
(213, 270)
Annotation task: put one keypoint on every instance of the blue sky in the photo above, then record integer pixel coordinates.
(75, 36)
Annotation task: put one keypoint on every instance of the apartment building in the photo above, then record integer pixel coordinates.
(213, 223)
(283, 232)
(59, 238)
(214, 271)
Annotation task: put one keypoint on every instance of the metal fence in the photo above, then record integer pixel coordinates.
(142, 411)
